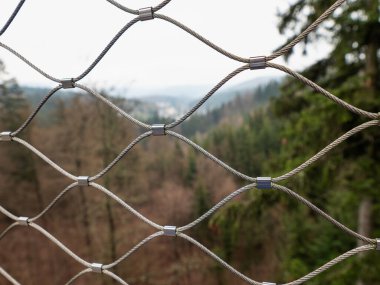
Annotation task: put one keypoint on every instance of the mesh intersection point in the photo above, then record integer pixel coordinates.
(5, 136)
(158, 130)
(257, 62)
(264, 183)
(170, 231)
(67, 83)
(82, 180)
(97, 267)
(146, 14)
(24, 221)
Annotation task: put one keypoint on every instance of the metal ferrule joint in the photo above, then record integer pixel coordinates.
(67, 83)
(83, 180)
(263, 182)
(146, 14)
(97, 267)
(257, 62)
(24, 221)
(170, 231)
(378, 244)
(5, 136)
(158, 130)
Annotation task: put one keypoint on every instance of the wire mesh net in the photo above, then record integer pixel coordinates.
(261, 183)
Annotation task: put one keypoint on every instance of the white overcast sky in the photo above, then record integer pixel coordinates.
(64, 36)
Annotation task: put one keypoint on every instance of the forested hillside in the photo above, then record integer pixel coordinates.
(267, 235)
(83, 136)
(294, 127)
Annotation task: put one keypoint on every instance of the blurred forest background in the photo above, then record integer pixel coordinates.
(266, 132)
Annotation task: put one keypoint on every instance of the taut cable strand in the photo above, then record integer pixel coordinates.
(40, 71)
(216, 207)
(38, 108)
(12, 17)
(201, 38)
(45, 158)
(136, 12)
(125, 205)
(324, 151)
(207, 96)
(316, 87)
(56, 199)
(107, 48)
(332, 263)
(306, 32)
(83, 272)
(218, 259)
(8, 229)
(113, 106)
(8, 276)
(323, 214)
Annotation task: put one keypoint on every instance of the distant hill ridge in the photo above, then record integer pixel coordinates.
(239, 98)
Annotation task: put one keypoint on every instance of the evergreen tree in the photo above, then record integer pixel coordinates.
(21, 168)
(344, 184)
(298, 124)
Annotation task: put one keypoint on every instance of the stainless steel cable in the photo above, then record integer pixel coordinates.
(126, 9)
(125, 205)
(332, 263)
(67, 251)
(87, 270)
(136, 12)
(8, 214)
(135, 248)
(40, 71)
(12, 17)
(308, 30)
(107, 48)
(201, 38)
(8, 276)
(161, 5)
(218, 259)
(115, 277)
(207, 96)
(45, 158)
(56, 199)
(35, 112)
(210, 156)
(113, 106)
(121, 155)
(172, 230)
(316, 87)
(51, 238)
(324, 151)
(296, 282)
(323, 214)
(216, 207)
(4, 232)
(59, 244)
(106, 272)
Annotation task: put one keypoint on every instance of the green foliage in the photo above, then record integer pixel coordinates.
(230, 112)
(13, 109)
(247, 147)
(294, 127)
(191, 170)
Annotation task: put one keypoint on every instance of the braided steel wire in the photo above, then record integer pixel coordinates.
(8, 276)
(12, 17)
(370, 244)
